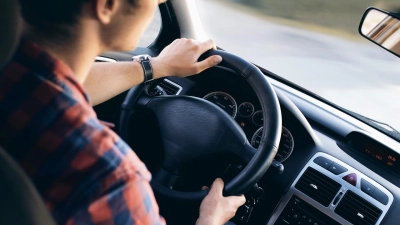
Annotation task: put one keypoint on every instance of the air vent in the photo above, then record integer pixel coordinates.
(170, 87)
(318, 186)
(357, 210)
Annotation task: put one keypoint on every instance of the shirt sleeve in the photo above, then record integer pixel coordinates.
(127, 199)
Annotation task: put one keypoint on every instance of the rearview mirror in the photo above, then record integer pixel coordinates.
(382, 28)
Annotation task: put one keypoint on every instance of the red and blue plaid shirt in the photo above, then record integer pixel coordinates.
(84, 172)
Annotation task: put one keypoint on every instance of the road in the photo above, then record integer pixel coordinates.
(354, 74)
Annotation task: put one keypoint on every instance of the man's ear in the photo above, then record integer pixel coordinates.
(105, 9)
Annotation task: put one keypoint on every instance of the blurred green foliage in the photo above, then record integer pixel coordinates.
(343, 15)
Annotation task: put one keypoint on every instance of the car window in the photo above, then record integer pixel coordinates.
(152, 31)
(314, 44)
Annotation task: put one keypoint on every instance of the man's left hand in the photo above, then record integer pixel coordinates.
(180, 58)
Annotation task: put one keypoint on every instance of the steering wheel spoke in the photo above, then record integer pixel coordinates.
(144, 100)
(247, 153)
(165, 178)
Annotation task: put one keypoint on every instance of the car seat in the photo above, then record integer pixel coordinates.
(20, 203)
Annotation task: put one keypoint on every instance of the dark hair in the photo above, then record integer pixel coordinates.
(53, 18)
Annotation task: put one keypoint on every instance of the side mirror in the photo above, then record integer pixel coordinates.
(382, 28)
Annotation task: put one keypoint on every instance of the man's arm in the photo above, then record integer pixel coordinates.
(116, 194)
(107, 80)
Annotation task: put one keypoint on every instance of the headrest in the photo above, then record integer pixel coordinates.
(9, 29)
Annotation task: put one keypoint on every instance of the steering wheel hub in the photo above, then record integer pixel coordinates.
(194, 128)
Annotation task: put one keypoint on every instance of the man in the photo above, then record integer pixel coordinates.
(85, 173)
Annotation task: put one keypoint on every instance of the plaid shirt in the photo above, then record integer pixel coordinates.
(85, 173)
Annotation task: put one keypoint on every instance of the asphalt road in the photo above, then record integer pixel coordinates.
(354, 74)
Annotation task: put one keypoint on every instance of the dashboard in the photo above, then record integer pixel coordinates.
(326, 191)
(362, 167)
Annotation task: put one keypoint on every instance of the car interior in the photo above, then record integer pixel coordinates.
(298, 158)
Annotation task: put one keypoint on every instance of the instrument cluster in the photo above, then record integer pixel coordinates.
(251, 121)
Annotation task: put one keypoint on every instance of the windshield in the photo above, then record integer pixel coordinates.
(314, 44)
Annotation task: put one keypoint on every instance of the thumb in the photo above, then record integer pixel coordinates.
(237, 200)
(209, 62)
(218, 186)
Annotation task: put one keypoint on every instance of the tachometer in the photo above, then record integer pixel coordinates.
(224, 101)
(285, 147)
(246, 109)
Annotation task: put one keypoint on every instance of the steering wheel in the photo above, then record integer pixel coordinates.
(193, 128)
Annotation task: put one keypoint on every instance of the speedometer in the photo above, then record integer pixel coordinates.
(224, 101)
(285, 147)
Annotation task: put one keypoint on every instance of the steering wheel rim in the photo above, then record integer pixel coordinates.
(258, 161)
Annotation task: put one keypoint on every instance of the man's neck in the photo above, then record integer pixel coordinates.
(78, 54)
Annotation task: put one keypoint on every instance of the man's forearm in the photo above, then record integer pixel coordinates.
(108, 79)
(180, 58)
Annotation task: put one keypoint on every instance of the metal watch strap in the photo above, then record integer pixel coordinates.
(146, 65)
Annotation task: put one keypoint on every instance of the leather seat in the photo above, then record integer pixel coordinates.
(9, 29)
(20, 203)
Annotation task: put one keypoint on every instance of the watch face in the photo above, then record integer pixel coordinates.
(139, 58)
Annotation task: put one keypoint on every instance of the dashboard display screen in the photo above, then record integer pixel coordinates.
(389, 159)
(377, 152)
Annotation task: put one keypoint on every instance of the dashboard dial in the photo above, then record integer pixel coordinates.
(224, 101)
(246, 109)
(258, 118)
(285, 147)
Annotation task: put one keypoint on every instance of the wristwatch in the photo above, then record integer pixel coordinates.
(146, 65)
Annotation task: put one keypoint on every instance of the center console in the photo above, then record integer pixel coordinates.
(328, 191)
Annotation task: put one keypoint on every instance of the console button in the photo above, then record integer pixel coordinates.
(351, 179)
(337, 169)
(322, 161)
(367, 187)
(380, 196)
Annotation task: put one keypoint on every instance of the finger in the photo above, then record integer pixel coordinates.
(176, 41)
(204, 188)
(238, 200)
(207, 63)
(207, 45)
(179, 40)
(218, 186)
(107, 124)
(241, 200)
(194, 41)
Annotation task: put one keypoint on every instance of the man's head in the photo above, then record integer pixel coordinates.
(118, 24)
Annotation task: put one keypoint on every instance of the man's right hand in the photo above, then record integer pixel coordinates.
(217, 209)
